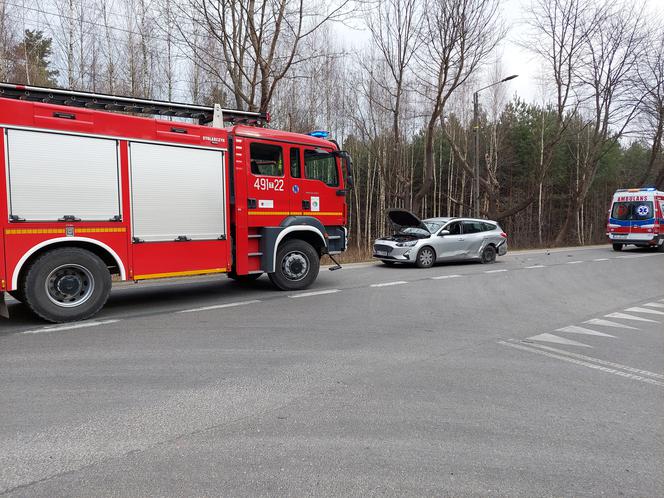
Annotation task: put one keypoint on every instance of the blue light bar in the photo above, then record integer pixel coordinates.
(319, 134)
(648, 189)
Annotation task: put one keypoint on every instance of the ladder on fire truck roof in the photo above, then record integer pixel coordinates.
(204, 114)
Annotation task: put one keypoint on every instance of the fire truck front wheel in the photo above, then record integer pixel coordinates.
(66, 284)
(296, 266)
(617, 247)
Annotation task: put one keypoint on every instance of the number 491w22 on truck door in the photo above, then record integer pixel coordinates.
(89, 193)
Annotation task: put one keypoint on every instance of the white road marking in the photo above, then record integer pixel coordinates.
(574, 262)
(607, 323)
(60, 328)
(495, 271)
(625, 316)
(654, 305)
(637, 309)
(314, 293)
(601, 259)
(630, 256)
(588, 364)
(557, 340)
(387, 284)
(536, 266)
(442, 277)
(219, 306)
(573, 329)
(601, 362)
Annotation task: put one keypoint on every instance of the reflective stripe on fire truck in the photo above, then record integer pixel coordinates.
(188, 273)
(21, 262)
(33, 231)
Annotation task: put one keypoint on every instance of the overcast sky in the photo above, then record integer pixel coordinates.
(514, 58)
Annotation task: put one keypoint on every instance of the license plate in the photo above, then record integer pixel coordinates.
(381, 253)
(619, 235)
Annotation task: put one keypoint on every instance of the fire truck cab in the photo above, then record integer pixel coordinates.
(636, 217)
(90, 194)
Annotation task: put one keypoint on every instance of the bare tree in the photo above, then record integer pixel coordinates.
(650, 81)
(395, 32)
(560, 30)
(457, 37)
(256, 42)
(7, 40)
(609, 56)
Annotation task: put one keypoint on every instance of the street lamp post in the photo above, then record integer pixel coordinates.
(476, 125)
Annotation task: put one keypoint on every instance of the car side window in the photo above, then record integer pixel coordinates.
(488, 227)
(454, 228)
(472, 227)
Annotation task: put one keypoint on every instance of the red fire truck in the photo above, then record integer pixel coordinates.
(91, 191)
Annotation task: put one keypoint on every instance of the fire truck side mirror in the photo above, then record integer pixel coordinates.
(349, 170)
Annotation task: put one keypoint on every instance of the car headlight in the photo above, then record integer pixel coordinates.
(407, 244)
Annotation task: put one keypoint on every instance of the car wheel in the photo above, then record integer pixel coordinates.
(488, 255)
(618, 247)
(425, 258)
(296, 266)
(66, 284)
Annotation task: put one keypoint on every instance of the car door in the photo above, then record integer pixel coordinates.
(474, 235)
(449, 246)
(267, 184)
(317, 188)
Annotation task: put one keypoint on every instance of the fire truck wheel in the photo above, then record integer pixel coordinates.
(618, 247)
(66, 284)
(296, 266)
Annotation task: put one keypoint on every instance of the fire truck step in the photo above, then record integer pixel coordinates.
(255, 254)
(255, 236)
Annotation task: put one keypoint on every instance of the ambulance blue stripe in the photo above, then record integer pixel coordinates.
(632, 223)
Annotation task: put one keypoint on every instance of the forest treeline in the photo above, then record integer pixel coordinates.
(399, 99)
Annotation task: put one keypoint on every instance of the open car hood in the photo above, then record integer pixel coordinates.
(404, 219)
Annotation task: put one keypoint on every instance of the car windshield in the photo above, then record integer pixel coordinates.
(413, 231)
(432, 227)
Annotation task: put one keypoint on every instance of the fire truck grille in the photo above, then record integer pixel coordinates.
(382, 248)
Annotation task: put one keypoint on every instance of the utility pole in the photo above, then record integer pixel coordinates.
(476, 126)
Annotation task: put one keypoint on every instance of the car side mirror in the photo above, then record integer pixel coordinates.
(443, 233)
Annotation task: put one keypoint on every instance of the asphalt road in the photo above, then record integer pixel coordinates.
(541, 375)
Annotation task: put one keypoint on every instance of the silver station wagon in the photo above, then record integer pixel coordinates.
(425, 242)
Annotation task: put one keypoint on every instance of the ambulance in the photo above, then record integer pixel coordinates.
(636, 217)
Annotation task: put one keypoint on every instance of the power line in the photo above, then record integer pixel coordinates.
(91, 23)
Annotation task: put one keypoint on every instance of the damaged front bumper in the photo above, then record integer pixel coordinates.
(389, 251)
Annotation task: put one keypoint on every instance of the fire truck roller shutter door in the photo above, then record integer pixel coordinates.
(177, 191)
(53, 175)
